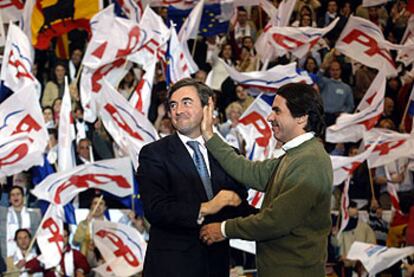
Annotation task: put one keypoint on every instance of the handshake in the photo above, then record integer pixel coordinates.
(222, 199)
(212, 232)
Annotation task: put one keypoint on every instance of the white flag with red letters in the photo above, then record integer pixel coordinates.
(343, 167)
(364, 41)
(113, 176)
(350, 127)
(257, 133)
(157, 43)
(16, 70)
(11, 10)
(130, 129)
(141, 96)
(122, 247)
(50, 236)
(297, 40)
(20, 114)
(391, 146)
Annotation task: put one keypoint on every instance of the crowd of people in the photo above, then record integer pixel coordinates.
(340, 81)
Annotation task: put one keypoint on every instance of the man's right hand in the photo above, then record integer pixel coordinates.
(222, 199)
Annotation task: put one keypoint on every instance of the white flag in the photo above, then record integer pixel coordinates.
(391, 146)
(270, 80)
(343, 167)
(344, 207)
(141, 96)
(350, 127)
(371, 3)
(66, 155)
(178, 67)
(297, 40)
(189, 29)
(50, 236)
(260, 143)
(20, 114)
(11, 10)
(363, 41)
(376, 258)
(16, 70)
(122, 247)
(113, 176)
(112, 38)
(91, 84)
(2, 32)
(130, 129)
(157, 44)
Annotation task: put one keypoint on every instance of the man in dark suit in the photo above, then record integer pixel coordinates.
(183, 187)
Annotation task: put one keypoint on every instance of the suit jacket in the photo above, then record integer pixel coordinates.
(172, 192)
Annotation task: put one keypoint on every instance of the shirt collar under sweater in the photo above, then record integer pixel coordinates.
(295, 142)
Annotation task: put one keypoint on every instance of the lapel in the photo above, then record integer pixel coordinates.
(184, 162)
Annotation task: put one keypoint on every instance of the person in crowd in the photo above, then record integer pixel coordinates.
(355, 230)
(128, 84)
(102, 142)
(74, 63)
(289, 242)
(218, 73)
(48, 117)
(56, 86)
(243, 97)
(17, 261)
(377, 223)
(14, 218)
(228, 129)
(72, 263)
(82, 237)
(83, 151)
(182, 187)
(56, 106)
(337, 96)
(243, 27)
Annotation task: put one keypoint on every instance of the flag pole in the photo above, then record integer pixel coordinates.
(37, 232)
(194, 47)
(371, 182)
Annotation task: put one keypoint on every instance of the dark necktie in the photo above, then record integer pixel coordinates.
(201, 168)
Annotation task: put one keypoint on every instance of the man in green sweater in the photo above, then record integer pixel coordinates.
(293, 224)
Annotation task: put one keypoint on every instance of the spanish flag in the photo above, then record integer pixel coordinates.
(52, 18)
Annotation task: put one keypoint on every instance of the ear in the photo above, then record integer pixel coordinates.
(302, 120)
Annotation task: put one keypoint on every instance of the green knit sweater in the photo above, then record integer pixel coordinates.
(293, 224)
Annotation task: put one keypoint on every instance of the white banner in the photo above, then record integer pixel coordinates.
(158, 41)
(16, 70)
(20, 114)
(2, 32)
(297, 40)
(343, 166)
(363, 41)
(350, 127)
(113, 176)
(141, 96)
(391, 146)
(50, 236)
(122, 247)
(112, 38)
(11, 10)
(66, 154)
(271, 79)
(130, 129)
(376, 258)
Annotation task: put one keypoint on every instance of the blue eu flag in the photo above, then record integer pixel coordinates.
(209, 25)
